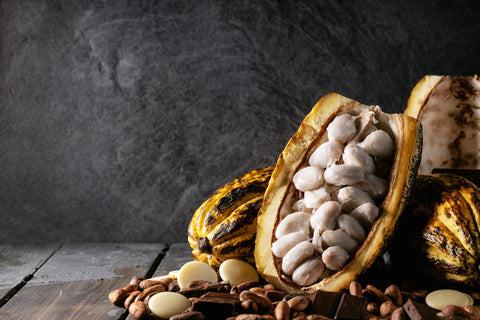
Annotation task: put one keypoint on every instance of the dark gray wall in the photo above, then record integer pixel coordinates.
(118, 118)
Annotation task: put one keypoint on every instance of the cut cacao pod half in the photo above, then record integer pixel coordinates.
(335, 196)
(224, 226)
(438, 238)
(449, 110)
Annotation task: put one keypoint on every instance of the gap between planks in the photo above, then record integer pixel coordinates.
(26, 279)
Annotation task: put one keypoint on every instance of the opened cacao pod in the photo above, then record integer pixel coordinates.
(448, 108)
(438, 239)
(224, 226)
(335, 196)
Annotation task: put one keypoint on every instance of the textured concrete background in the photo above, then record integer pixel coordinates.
(119, 118)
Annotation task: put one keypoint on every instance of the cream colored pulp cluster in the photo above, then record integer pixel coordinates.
(339, 189)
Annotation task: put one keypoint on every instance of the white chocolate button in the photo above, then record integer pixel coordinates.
(173, 274)
(161, 277)
(166, 304)
(440, 298)
(237, 271)
(196, 270)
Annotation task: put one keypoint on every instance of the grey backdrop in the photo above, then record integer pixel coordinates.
(119, 118)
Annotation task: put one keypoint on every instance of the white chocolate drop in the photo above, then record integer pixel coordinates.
(440, 298)
(166, 304)
(196, 270)
(237, 271)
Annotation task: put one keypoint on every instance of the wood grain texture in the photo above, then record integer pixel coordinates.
(19, 261)
(177, 255)
(75, 282)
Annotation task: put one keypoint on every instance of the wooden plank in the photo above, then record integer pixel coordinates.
(84, 261)
(177, 255)
(75, 282)
(19, 261)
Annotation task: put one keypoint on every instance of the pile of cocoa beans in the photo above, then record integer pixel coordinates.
(258, 301)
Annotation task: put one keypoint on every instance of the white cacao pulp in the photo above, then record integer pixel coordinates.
(339, 188)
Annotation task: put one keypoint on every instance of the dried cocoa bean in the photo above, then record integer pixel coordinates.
(282, 311)
(174, 286)
(249, 316)
(474, 313)
(264, 305)
(299, 303)
(376, 293)
(147, 283)
(247, 285)
(387, 308)
(299, 316)
(131, 297)
(136, 280)
(197, 284)
(258, 290)
(154, 289)
(356, 289)
(118, 296)
(317, 317)
(138, 310)
(373, 308)
(274, 295)
(455, 311)
(269, 286)
(393, 292)
(249, 306)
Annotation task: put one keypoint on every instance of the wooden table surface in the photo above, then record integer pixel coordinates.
(73, 280)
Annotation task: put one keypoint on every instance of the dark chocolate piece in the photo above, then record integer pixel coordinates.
(419, 311)
(325, 303)
(351, 307)
(217, 305)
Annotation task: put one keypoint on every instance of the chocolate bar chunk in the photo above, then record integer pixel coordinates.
(325, 303)
(351, 307)
(216, 305)
(419, 311)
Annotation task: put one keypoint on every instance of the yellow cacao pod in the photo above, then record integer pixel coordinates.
(438, 239)
(224, 226)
